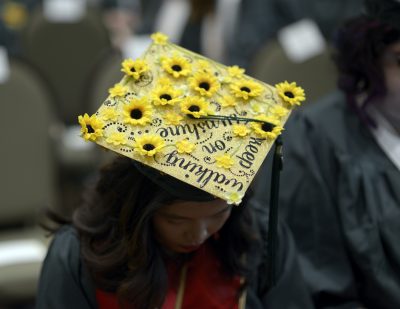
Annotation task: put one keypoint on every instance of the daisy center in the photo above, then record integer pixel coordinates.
(176, 68)
(148, 147)
(89, 128)
(289, 94)
(194, 108)
(166, 97)
(266, 127)
(136, 113)
(245, 89)
(132, 69)
(204, 85)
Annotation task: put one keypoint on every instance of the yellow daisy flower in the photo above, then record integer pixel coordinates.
(234, 198)
(134, 68)
(159, 38)
(91, 127)
(164, 81)
(117, 138)
(224, 161)
(117, 91)
(240, 130)
(195, 107)
(279, 111)
(149, 145)
(137, 112)
(246, 89)
(165, 95)
(204, 83)
(257, 108)
(270, 129)
(184, 146)
(290, 93)
(108, 113)
(14, 15)
(235, 71)
(172, 118)
(203, 65)
(228, 101)
(276, 131)
(176, 66)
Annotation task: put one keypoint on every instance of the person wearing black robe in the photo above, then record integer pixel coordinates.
(66, 283)
(340, 191)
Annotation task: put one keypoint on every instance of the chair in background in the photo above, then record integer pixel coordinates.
(27, 180)
(106, 73)
(65, 53)
(317, 75)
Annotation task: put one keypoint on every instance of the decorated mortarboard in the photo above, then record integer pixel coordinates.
(199, 121)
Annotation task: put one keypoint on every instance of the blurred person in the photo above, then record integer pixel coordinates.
(159, 228)
(341, 179)
(202, 26)
(260, 20)
(121, 18)
(137, 234)
(14, 15)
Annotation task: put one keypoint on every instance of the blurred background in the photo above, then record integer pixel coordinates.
(59, 57)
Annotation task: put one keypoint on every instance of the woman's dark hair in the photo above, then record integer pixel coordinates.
(117, 241)
(360, 43)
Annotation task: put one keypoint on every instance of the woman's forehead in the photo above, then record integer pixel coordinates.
(194, 208)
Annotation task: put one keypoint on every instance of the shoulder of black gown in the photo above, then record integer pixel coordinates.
(64, 281)
(315, 142)
(290, 291)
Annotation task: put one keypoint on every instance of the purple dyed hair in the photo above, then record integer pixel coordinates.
(360, 43)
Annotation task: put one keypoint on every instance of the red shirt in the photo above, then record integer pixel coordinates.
(205, 285)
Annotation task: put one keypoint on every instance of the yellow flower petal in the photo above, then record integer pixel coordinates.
(184, 146)
(116, 139)
(91, 127)
(149, 145)
(172, 118)
(279, 111)
(224, 161)
(228, 101)
(108, 113)
(195, 107)
(235, 71)
(134, 68)
(204, 83)
(270, 129)
(159, 38)
(138, 112)
(234, 198)
(165, 95)
(240, 130)
(246, 89)
(176, 66)
(290, 93)
(117, 91)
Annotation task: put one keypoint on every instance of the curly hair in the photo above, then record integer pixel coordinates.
(117, 241)
(360, 43)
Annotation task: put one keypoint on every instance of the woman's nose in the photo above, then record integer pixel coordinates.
(197, 234)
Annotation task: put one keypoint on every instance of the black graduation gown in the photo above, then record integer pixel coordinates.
(340, 195)
(65, 282)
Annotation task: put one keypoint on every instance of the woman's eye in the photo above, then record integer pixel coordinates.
(174, 221)
(219, 216)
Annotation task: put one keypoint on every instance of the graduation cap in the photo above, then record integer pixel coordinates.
(387, 11)
(203, 123)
